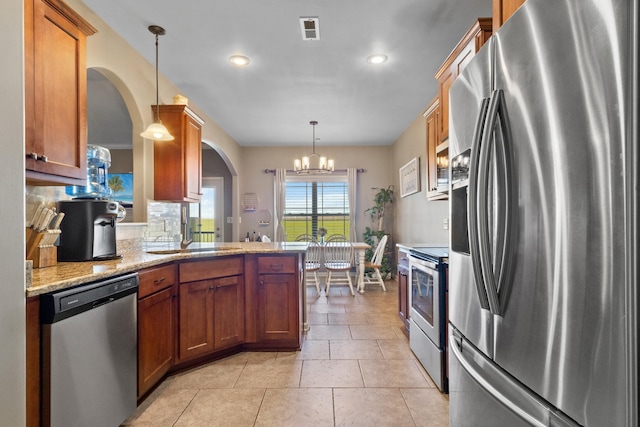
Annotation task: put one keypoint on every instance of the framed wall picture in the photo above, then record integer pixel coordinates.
(410, 177)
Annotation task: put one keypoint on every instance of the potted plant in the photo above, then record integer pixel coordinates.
(382, 200)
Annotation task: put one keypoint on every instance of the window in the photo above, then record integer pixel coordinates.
(316, 203)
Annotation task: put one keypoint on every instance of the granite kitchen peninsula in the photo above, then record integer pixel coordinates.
(193, 305)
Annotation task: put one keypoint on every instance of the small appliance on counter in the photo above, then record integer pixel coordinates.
(98, 162)
(89, 229)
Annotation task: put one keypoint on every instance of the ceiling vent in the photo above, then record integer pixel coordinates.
(310, 27)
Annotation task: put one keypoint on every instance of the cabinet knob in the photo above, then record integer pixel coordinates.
(261, 282)
(43, 158)
(33, 156)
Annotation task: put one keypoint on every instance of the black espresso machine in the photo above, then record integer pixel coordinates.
(88, 231)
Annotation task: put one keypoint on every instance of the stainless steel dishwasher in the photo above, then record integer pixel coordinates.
(89, 337)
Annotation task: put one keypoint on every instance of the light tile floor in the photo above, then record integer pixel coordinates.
(355, 369)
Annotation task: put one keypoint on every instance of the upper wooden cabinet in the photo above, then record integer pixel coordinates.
(437, 154)
(466, 49)
(502, 10)
(178, 163)
(55, 93)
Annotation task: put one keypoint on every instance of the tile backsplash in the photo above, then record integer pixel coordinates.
(162, 226)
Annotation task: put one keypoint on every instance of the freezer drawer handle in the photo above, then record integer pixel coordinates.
(500, 385)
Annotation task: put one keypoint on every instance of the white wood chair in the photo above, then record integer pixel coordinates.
(312, 263)
(374, 264)
(305, 238)
(338, 258)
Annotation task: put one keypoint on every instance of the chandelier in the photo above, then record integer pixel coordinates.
(313, 163)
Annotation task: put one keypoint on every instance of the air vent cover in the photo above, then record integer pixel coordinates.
(310, 27)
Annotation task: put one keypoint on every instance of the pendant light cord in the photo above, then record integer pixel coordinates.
(157, 90)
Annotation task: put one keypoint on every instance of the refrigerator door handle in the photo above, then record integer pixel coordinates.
(498, 383)
(497, 282)
(506, 203)
(482, 215)
(472, 204)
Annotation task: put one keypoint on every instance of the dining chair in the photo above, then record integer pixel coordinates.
(336, 238)
(338, 258)
(306, 238)
(313, 262)
(375, 263)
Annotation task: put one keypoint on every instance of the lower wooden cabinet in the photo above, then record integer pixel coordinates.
(156, 325)
(211, 316)
(212, 309)
(277, 307)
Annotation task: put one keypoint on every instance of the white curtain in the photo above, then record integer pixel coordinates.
(280, 197)
(352, 178)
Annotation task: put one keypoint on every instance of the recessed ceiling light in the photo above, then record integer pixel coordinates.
(239, 60)
(377, 58)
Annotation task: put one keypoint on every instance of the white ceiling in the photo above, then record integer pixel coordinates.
(290, 82)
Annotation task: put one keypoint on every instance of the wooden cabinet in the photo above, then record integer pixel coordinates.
(274, 308)
(156, 325)
(178, 163)
(403, 286)
(211, 306)
(55, 93)
(437, 155)
(438, 138)
(466, 49)
(33, 350)
(502, 10)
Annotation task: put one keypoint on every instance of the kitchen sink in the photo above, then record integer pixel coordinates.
(189, 250)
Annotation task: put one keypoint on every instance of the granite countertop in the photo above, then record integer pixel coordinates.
(68, 274)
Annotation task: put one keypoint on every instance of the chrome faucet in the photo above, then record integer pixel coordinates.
(185, 242)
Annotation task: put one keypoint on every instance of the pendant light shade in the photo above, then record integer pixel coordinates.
(156, 130)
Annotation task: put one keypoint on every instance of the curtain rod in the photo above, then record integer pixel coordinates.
(273, 171)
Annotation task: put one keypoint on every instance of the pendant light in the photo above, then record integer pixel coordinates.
(156, 130)
(313, 163)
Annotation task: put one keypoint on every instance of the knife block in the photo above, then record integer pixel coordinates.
(40, 247)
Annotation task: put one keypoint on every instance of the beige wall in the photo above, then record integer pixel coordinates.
(416, 220)
(113, 57)
(375, 160)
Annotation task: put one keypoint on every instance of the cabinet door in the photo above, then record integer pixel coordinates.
(196, 319)
(277, 307)
(55, 94)
(155, 338)
(177, 163)
(228, 311)
(403, 295)
(432, 142)
(192, 159)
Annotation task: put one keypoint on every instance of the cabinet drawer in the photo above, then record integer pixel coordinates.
(276, 264)
(155, 279)
(192, 271)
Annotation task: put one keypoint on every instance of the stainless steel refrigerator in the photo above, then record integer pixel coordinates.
(543, 266)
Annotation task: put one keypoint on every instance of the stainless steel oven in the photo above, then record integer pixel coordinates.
(427, 301)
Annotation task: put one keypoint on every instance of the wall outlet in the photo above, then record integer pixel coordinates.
(229, 220)
(445, 224)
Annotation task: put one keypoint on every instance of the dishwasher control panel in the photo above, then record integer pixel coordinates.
(57, 306)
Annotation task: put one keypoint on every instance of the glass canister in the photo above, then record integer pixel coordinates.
(98, 162)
